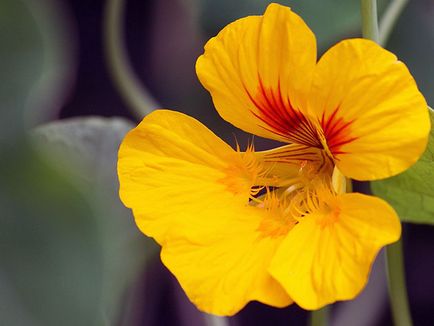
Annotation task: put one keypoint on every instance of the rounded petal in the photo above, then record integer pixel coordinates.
(326, 258)
(166, 151)
(258, 70)
(373, 116)
(190, 191)
(223, 266)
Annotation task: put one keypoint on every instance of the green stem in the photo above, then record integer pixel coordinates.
(390, 18)
(369, 19)
(394, 256)
(396, 281)
(129, 86)
(319, 317)
(211, 320)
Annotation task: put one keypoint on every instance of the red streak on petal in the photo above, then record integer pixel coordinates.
(282, 118)
(337, 132)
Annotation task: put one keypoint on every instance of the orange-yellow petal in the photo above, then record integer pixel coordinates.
(258, 70)
(156, 165)
(190, 191)
(222, 266)
(327, 257)
(373, 116)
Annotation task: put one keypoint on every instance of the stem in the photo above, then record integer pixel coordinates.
(319, 317)
(396, 281)
(129, 86)
(394, 256)
(390, 18)
(369, 19)
(211, 320)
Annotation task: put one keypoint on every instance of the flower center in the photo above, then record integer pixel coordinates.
(286, 206)
(277, 219)
(310, 191)
(246, 174)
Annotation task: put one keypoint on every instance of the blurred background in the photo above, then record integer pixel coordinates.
(70, 253)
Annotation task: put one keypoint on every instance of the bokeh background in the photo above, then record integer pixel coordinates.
(70, 253)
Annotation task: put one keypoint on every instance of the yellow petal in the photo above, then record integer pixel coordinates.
(168, 141)
(224, 265)
(327, 257)
(374, 118)
(258, 70)
(190, 191)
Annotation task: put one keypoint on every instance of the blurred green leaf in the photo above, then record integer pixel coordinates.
(21, 58)
(50, 247)
(37, 208)
(412, 193)
(58, 68)
(34, 63)
(90, 146)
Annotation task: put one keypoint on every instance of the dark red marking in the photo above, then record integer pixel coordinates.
(337, 132)
(282, 118)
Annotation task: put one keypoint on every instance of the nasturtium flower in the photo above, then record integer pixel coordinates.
(276, 226)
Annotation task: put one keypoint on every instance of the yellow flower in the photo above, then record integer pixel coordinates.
(276, 226)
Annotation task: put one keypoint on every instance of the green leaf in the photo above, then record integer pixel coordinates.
(90, 147)
(412, 193)
(35, 63)
(50, 248)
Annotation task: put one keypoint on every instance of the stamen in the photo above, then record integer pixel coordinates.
(310, 191)
(314, 194)
(246, 174)
(277, 222)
